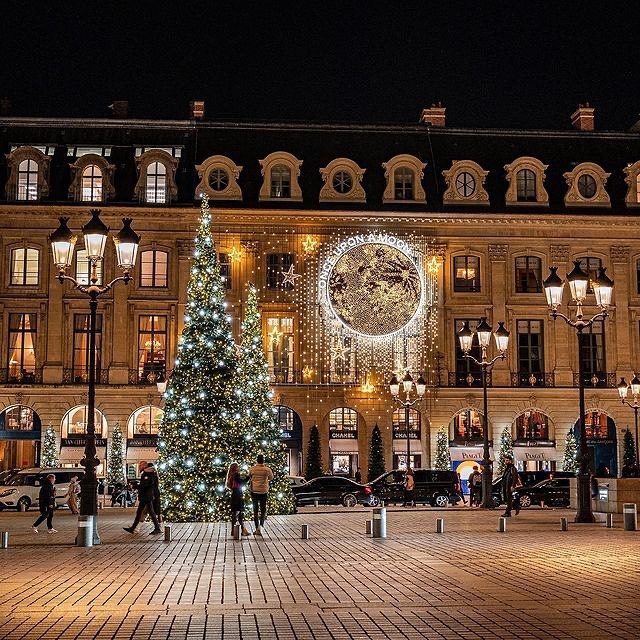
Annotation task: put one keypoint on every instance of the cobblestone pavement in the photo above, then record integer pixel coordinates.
(534, 581)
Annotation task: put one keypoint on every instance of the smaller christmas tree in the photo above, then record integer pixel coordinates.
(115, 464)
(569, 462)
(376, 455)
(442, 459)
(506, 449)
(628, 450)
(313, 467)
(49, 457)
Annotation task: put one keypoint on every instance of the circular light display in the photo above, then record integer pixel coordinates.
(374, 289)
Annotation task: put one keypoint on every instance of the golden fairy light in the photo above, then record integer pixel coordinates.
(309, 245)
(235, 254)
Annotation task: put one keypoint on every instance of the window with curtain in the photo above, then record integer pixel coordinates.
(400, 427)
(74, 422)
(22, 347)
(24, 266)
(83, 268)
(530, 352)
(590, 265)
(526, 185)
(145, 421)
(466, 369)
(225, 269)
(276, 264)
(466, 274)
(403, 179)
(467, 426)
(28, 180)
(343, 422)
(280, 181)
(153, 268)
(152, 348)
(19, 418)
(593, 355)
(156, 187)
(92, 183)
(280, 349)
(81, 347)
(528, 274)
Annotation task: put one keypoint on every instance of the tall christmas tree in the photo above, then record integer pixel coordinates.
(49, 457)
(115, 463)
(201, 425)
(442, 459)
(506, 449)
(569, 462)
(258, 431)
(628, 450)
(376, 455)
(313, 467)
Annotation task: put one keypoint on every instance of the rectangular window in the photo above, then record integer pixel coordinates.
(638, 277)
(280, 343)
(467, 427)
(24, 266)
(81, 347)
(593, 355)
(532, 425)
(590, 265)
(466, 274)
(153, 268)
(156, 188)
(403, 184)
(152, 349)
(530, 353)
(277, 263)
(528, 274)
(83, 268)
(225, 269)
(399, 424)
(28, 180)
(468, 373)
(22, 347)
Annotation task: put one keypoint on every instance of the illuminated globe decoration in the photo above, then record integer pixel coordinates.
(373, 285)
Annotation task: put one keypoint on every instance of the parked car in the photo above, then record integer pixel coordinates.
(296, 481)
(22, 490)
(334, 490)
(528, 479)
(432, 486)
(6, 475)
(554, 493)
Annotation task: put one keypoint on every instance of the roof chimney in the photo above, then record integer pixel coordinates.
(582, 118)
(5, 106)
(434, 115)
(119, 109)
(196, 109)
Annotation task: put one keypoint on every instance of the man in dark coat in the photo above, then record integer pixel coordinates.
(47, 503)
(148, 490)
(510, 481)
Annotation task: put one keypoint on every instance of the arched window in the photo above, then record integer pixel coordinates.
(532, 425)
(75, 422)
(467, 426)
(156, 189)
(25, 264)
(145, 421)
(400, 427)
(91, 184)
(586, 186)
(28, 180)
(403, 182)
(153, 268)
(465, 183)
(526, 185)
(19, 418)
(403, 174)
(343, 423)
(280, 181)
(28, 173)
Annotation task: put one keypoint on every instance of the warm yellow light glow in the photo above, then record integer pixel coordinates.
(309, 245)
(275, 335)
(235, 254)
(433, 266)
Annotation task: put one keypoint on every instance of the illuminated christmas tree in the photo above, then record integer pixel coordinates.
(376, 455)
(258, 430)
(115, 463)
(569, 462)
(442, 459)
(202, 416)
(506, 449)
(313, 467)
(49, 457)
(628, 450)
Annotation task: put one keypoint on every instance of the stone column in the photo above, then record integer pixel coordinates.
(185, 249)
(500, 374)
(618, 329)
(561, 338)
(121, 337)
(52, 326)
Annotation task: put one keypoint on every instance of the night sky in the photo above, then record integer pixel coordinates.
(492, 64)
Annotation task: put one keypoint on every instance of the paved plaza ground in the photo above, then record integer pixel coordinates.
(534, 581)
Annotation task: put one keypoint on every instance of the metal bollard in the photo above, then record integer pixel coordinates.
(440, 525)
(85, 531)
(369, 527)
(315, 503)
(4, 540)
(305, 532)
(630, 516)
(564, 524)
(167, 533)
(235, 532)
(502, 525)
(609, 521)
(380, 523)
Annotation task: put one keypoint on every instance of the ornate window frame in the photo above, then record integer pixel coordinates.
(77, 169)
(142, 166)
(268, 163)
(632, 178)
(13, 162)
(232, 191)
(407, 161)
(538, 168)
(573, 197)
(452, 196)
(329, 194)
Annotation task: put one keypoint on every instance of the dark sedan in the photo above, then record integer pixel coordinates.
(553, 493)
(333, 490)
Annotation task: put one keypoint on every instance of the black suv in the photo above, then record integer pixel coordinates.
(432, 486)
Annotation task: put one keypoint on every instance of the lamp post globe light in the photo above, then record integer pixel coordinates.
(603, 290)
(63, 242)
(407, 386)
(501, 336)
(623, 390)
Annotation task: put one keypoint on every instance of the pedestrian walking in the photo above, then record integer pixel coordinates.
(358, 476)
(260, 475)
(409, 488)
(47, 503)
(73, 491)
(475, 487)
(459, 495)
(236, 483)
(148, 492)
(510, 482)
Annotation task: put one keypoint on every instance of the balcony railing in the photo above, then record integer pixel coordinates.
(526, 379)
(467, 379)
(599, 379)
(9, 376)
(69, 376)
(148, 377)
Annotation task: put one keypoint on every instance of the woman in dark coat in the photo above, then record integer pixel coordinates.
(47, 503)
(236, 483)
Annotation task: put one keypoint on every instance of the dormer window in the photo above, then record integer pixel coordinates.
(156, 177)
(28, 178)
(280, 181)
(91, 179)
(342, 180)
(586, 186)
(281, 171)
(92, 184)
(465, 184)
(404, 175)
(526, 182)
(403, 184)
(219, 179)
(632, 178)
(156, 191)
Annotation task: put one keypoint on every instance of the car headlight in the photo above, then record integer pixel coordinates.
(8, 492)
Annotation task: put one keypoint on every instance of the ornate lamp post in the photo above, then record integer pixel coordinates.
(623, 390)
(63, 242)
(407, 385)
(501, 335)
(603, 289)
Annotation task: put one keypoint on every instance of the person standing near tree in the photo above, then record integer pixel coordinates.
(260, 475)
(409, 487)
(148, 492)
(236, 483)
(46, 503)
(475, 486)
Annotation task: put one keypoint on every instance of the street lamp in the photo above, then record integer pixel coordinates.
(63, 242)
(603, 289)
(407, 385)
(623, 390)
(501, 335)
